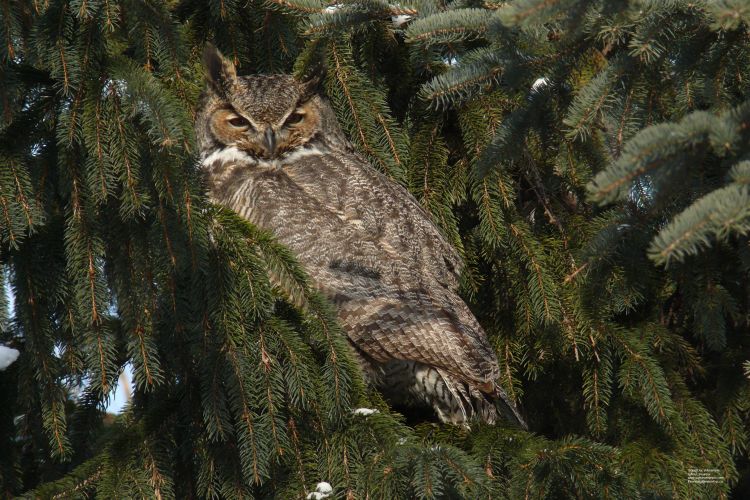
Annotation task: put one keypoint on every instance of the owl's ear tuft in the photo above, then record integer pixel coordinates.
(312, 86)
(311, 76)
(219, 70)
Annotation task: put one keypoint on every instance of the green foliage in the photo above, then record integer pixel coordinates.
(588, 159)
(722, 213)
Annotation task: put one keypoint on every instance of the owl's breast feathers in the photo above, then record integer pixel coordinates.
(369, 246)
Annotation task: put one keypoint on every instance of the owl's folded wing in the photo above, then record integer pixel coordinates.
(402, 225)
(387, 324)
(388, 268)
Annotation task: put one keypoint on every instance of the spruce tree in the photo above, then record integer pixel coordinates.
(589, 159)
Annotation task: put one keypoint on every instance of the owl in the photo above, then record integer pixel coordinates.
(272, 151)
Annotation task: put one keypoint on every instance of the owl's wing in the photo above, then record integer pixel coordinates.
(387, 214)
(387, 324)
(394, 275)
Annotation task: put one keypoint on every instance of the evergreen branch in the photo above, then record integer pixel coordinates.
(506, 144)
(533, 12)
(156, 104)
(145, 364)
(509, 378)
(20, 196)
(435, 152)
(53, 416)
(491, 216)
(590, 103)
(597, 389)
(640, 371)
(716, 216)
(484, 70)
(342, 77)
(728, 14)
(702, 432)
(213, 403)
(124, 154)
(299, 7)
(341, 18)
(78, 482)
(428, 178)
(297, 373)
(100, 176)
(84, 249)
(650, 149)
(283, 269)
(246, 417)
(568, 467)
(20, 217)
(340, 367)
(449, 27)
(389, 136)
(8, 232)
(268, 362)
(11, 30)
(161, 484)
(543, 289)
(363, 112)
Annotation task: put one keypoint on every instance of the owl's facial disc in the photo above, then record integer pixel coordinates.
(265, 116)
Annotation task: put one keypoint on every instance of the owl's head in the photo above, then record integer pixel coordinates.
(265, 116)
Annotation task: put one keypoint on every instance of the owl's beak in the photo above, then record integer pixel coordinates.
(270, 141)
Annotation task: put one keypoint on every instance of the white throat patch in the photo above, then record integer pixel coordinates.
(227, 155)
(232, 154)
(300, 153)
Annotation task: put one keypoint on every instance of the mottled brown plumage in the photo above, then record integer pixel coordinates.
(273, 152)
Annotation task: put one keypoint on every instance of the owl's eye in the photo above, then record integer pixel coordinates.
(239, 122)
(295, 118)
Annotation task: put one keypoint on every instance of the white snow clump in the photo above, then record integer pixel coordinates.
(364, 411)
(322, 490)
(400, 20)
(539, 83)
(8, 356)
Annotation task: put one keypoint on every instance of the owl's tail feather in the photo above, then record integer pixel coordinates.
(493, 407)
(453, 400)
(507, 408)
(460, 399)
(467, 403)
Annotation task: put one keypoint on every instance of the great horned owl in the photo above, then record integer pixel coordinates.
(272, 151)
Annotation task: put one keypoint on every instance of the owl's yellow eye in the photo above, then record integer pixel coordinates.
(295, 118)
(238, 122)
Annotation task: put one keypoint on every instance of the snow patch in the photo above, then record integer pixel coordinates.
(322, 490)
(230, 154)
(8, 356)
(399, 21)
(332, 8)
(365, 412)
(234, 155)
(539, 83)
(300, 153)
(450, 60)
